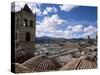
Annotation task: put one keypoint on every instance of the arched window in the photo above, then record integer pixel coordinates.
(25, 22)
(28, 37)
(31, 23)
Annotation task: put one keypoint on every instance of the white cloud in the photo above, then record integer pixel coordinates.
(55, 9)
(49, 9)
(67, 34)
(77, 28)
(49, 24)
(48, 28)
(90, 30)
(69, 27)
(45, 12)
(37, 11)
(67, 8)
(52, 21)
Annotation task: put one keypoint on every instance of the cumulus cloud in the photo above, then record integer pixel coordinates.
(49, 24)
(49, 9)
(90, 30)
(69, 27)
(47, 27)
(45, 12)
(67, 8)
(77, 28)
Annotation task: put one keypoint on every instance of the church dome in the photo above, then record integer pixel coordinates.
(41, 63)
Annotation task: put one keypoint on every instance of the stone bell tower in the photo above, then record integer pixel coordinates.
(25, 22)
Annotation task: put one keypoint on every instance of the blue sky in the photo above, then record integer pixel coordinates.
(63, 21)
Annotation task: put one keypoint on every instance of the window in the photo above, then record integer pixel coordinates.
(28, 36)
(25, 23)
(31, 23)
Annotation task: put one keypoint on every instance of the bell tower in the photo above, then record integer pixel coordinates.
(25, 22)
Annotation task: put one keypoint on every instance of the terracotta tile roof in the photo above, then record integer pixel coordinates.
(79, 63)
(41, 63)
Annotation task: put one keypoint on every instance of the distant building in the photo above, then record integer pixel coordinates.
(25, 22)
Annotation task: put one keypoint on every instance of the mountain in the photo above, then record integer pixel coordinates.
(46, 39)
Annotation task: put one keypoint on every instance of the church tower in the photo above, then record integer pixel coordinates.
(25, 22)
